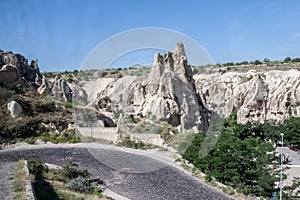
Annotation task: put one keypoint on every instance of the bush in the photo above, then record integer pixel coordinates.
(80, 184)
(21, 128)
(71, 171)
(68, 104)
(45, 105)
(257, 62)
(5, 94)
(37, 168)
(127, 142)
(104, 74)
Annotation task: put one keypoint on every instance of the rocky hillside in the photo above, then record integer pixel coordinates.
(171, 93)
(167, 95)
(15, 72)
(30, 104)
(256, 95)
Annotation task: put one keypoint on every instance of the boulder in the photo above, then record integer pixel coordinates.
(15, 109)
(9, 74)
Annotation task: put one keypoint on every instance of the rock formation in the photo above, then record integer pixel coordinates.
(15, 109)
(44, 88)
(61, 90)
(14, 70)
(171, 95)
(168, 95)
(256, 96)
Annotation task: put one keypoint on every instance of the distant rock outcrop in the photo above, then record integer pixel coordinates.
(61, 90)
(256, 96)
(15, 70)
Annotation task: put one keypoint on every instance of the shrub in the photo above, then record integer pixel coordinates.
(68, 104)
(22, 128)
(45, 105)
(296, 60)
(5, 94)
(127, 142)
(117, 113)
(37, 168)
(104, 74)
(257, 62)
(71, 171)
(80, 184)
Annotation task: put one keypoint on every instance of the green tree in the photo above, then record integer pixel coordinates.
(287, 59)
(257, 62)
(241, 157)
(266, 60)
(296, 60)
(291, 130)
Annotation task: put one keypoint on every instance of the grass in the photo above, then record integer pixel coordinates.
(68, 137)
(54, 183)
(19, 181)
(128, 142)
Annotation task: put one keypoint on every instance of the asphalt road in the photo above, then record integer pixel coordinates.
(137, 177)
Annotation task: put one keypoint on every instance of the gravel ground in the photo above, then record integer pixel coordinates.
(137, 177)
(6, 169)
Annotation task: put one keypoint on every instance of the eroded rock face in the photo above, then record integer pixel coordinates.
(61, 90)
(15, 67)
(9, 74)
(171, 95)
(167, 95)
(257, 96)
(44, 88)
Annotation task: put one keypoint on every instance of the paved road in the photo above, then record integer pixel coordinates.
(134, 176)
(6, 169)
(294, 165)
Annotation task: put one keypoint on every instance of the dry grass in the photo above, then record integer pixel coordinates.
(19, 181)
(65, 193)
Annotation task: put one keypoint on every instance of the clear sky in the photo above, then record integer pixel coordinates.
(61, 33)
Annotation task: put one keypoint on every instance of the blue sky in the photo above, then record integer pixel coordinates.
(61, 33)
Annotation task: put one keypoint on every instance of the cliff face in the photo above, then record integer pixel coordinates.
(171, 94)
(168, 95)
(257, 96)
(15, 71)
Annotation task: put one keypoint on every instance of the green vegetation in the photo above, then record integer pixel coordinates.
(291, 130)
(128, 142)
(19, 181)
(243, 157)
(70, 182)
(42, 116)
(44, 105)
(68, 136)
